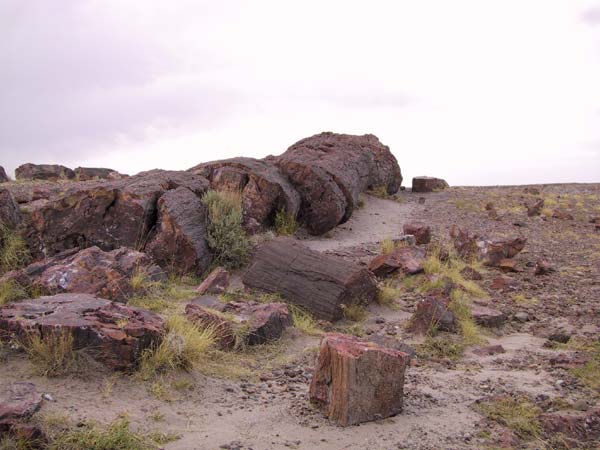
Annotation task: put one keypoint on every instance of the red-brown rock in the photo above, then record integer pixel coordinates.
(357, 381)
(19, 402)
(216, 282)
(179, 241)
(428, 184)
(90, 271)
(432, 313)
(494, 253)
(543, 267)
(487, 317)
(535, 208)
(265, 191)
(502, 283)
(490, 350)
(110, 332)
(465, 243)
(43, 172)
(407, 259)
(10, 214)
(96, 173)
(330, 170)
(420, 231)
(471, 274)
(320, 283)
(581, 426)
(561, 214)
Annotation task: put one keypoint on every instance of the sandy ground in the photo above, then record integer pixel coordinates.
(274, 413)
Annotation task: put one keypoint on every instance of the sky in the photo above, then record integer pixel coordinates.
(479, 92)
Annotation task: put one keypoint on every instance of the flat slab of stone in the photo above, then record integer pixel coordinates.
(112, 333)
(357, 381)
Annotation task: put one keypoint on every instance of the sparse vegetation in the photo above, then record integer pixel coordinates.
(379, 191)
(11, 291)
(304, 321)
(285, 223)
(163, 296)
(226, 236)
(51, 354)
(13, 249)
(589, 373)
(518, 414)
(441, 347)
(388, 294)
(355, 312)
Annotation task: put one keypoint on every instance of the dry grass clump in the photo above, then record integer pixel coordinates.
(379, 192)
(285, 223)
(13, 249)
(589, 373)
(11, 291)
(51, 354)
(518, 414)
(355, 312)
(304, 321)
(388, 294)
(441, 347)
(183, 347)
(226, 236)
(162, 296)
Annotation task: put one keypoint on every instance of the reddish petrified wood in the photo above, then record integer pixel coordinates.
(43, 172)
(581, 426)
(419, 230)
(215, 283)
(428, 184)
(19, 402)
(357, 381)
(407, 259)
(320, 283)
(112, 333)
(432, 313)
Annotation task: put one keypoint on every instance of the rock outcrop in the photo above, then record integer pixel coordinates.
(110, 332)
(265, 191)
(90, 271)
(317, 282)
(330, 170)
(10, 215)
(357, 381)
(3, 177)
(52, 172)
(428, 184)
(96, 173)
(240, 323)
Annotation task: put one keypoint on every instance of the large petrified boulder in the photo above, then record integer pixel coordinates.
(19, 402)
(10, 214)
(433, 313)
(428, 184)
(110, 332)
(265, 191)
(408, 259)
(357, 381)
(179, 242)
(96, 173)
(43, 172)
(91, 271)
(330, 170)
(320, 283)
(240, 323)
(109, 214)
(3, 177)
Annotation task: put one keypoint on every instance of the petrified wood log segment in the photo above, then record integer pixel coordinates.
(43, 172)
(428, 184)
(357, 381)
(330, 170)
(112, 333)
(317, 282)
(264, 189)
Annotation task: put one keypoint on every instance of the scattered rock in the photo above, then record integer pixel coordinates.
(51, 172)
(265, 191)
(531, 190)
(521, 316)
(320, 283)
(433, 313)
(357, 381)
(561, 214)
(471, 274)
(10, 215)
(90, 271)
(420, 231)
(110, 332)
(248, 322)
(581, 426)
(535, 208)
(96, 173)
(330, 170)
(508, 265)
(503, 283)
(495, 253)
(407, 259)
(3, 177)
(428, 184)
(487, 317)
(490, 350)
(543, 267)
(180, 240)
(216, 282)
(18, 404)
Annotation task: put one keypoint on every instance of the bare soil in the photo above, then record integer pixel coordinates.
(269, 408)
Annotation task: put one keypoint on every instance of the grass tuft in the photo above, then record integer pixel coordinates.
(13, 249)
(355, 312)
(285, 223)
(52, 354)
(441, 347)
(11, 291)
(304, 321)
(226, 236)
(388, 294)
(163, 296)
(520, 415)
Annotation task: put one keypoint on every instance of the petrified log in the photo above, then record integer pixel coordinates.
(357, 381)
(428, 184)
(180, 240)
(96, 173)
(330, 170)
(90, 271)
(43, 172)
(317, 282)
(264, 189)
(110, 332)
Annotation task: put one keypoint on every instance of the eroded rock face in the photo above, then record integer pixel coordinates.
(580, 426)
(109, 214)
(110, 332)
(419, 230)
(433, 313)
(320, 283)
(330, 170)
(96, 173)
(43, 172)
(10, 215)
(265, 191)
(408, 260)
(215, 283)
(3, 177)
(247, 322)
(19, 402)
(91, 271)
(179, 242)
(357, 381)
(428, 184)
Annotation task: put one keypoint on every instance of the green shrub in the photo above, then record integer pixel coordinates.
(285, 223)
(226, 236)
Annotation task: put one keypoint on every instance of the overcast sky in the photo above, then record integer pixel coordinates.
(474, 91)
